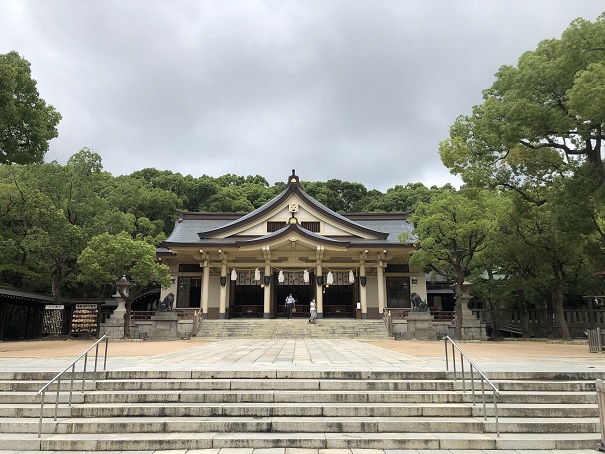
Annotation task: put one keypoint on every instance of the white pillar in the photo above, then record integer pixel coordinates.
(223, 292)
(363, 296)
(381, 284)
(320, 295)
(267, 293)
(205, 289)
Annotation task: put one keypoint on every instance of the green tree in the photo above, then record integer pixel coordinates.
(109, 257)
(540, 119)
(134, 196)
(27, 123)
(450, 231)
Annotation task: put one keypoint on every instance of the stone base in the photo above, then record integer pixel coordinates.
(420, 326)
(471, 330)
(165, 326)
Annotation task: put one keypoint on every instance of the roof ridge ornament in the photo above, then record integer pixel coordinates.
(293, 179)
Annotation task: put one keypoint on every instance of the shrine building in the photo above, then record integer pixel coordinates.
(235, 265)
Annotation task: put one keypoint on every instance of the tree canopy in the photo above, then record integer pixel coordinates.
(541, 119)
(27, 123)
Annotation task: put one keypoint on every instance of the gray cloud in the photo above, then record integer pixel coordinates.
(355, 90)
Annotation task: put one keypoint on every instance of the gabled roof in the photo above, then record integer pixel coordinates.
(213, 229)
(293, 188)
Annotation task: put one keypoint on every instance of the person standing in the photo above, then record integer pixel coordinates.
(290, 301)
(313, 307)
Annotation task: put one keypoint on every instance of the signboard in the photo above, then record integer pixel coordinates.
(52, 322)
(85, 319)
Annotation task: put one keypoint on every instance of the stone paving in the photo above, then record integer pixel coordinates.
(312, 451)
(305, 354)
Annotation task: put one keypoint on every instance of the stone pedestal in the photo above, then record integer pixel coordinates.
(472, 327)
(114, 325)
(420, 326)
(165, 326)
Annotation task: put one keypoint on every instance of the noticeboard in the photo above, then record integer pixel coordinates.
(52, 323)
(85, 319)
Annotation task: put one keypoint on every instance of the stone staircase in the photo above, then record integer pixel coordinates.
(155, 410)
(294, 329)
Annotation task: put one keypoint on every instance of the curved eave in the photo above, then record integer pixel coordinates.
(281, 198)
(338, 217)
(289, 230)
(250, 217)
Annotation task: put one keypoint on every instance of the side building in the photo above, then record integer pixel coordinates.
(235, 265)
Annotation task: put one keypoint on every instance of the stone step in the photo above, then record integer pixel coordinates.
(321, 440)
(496, 376)
(278, 384)
(540, 385)
(300, 384)
(273, 409)
(300, 424)
(293, 329)
(311, 409)
(251, 424)
(270, 396)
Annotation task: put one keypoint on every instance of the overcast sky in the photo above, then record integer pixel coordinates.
(361, 91)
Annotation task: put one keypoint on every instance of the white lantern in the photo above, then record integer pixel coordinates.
(351, 277)
(306, 277)
(280, 276)
(330, 278)
(257, 274)
(233, 275)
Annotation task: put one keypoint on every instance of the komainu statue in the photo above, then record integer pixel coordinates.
(166, 304)
(417, 304)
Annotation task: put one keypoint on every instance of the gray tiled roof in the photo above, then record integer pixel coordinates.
(186, 231)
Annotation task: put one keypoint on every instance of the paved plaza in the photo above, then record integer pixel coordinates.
(307, 354)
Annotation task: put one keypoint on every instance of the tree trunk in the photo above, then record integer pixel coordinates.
(127, 315)
(459, 302)
(560, 314)
(524, 316)
(56, 284)
(549, 317)
(496, 319)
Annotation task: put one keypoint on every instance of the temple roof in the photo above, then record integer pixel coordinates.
(229, 229)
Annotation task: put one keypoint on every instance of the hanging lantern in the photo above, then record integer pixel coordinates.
(257, 274)
(306, 277)
(233, 275)
(280, 276)
(351, 277)
(330, 278)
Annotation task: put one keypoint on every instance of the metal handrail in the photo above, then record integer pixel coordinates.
(72, 366)
(484, 379)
